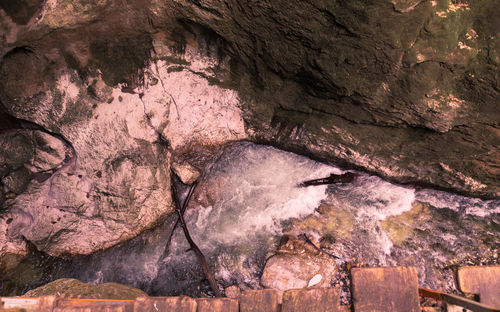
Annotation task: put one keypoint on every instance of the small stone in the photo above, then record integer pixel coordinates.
(186, 172)
(315, 280)
(233, 292)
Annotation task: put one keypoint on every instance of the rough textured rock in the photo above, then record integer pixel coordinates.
(187, 173)
(390, 86)
(295, 265)
(12, 250)
(115, 180)
(406, 89)
(72, 288)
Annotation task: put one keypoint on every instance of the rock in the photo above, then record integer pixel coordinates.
(400, 88)
(17, 181)
(290, 271)
(21, 11)
(187, 173)
(35, 150)
(316, 279)
(115, 182)
(12, 249)
(72, 288)
(401, 227)
(233, 292)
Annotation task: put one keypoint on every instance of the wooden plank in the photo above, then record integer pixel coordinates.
(468, 304)
(311, 300)
(482, 280)
(266, 300)
(178, 304)
(94, 305)
(385, 289)
(217, 305)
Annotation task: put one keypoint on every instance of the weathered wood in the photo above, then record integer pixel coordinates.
(177, 304)
(454, 300)
(217, 305)
(482, 280)
(311, 300)
(94, 305)
(266, 300)
(385, 289)
(192, 244)
(347, 177)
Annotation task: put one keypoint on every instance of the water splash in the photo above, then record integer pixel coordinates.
(249, 198)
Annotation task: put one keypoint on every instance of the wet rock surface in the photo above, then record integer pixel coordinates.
(116, 91)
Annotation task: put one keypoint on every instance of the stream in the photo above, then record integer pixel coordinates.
(249, 199)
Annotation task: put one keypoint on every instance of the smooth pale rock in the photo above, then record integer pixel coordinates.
(178, 304)
(116, 182)
(383, 289)
(290, 271)
(72, 288)
(266, 300)
(217, 305)
(482, 280)
(315, 280)
(186, 172)
(311, 300)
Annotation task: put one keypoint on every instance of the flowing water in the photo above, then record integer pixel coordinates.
(249, 199)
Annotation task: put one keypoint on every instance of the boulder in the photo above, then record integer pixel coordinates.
(290, 271)
(72, 288)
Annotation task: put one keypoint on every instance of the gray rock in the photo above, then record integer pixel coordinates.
(17, 181)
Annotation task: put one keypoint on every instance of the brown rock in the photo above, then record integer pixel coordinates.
(178, 304)
(217, 305)
(233, 292)
(186, 172)
(385, 289)
(311, 300)
(484, 280)
(290, 271)
(72, 288)
(259, 301)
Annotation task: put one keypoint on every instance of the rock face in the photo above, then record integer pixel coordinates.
(406, 89)
(297, 265)
(400, 88)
